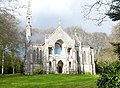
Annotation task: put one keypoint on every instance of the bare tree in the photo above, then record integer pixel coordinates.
(115, 36)
(99, 41)
(99, 9)
(8, 28)
(8, 35)
(81, 33)
(10, 6)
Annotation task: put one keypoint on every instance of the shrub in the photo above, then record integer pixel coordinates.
(87, 73)
(110, 76)
(38, 70)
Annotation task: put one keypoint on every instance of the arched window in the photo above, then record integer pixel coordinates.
(78, 58)
(69, 64)
(91, 57)
(84, 57)
(34, 55)
(58, 47)
(40, 56)
(28, 18)
(50, 65)
(50, 50)
(69, 49)
(37, 54)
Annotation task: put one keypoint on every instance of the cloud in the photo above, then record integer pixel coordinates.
(52, 7)
(45, 14)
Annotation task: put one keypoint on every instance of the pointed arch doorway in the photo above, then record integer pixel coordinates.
(60, 66)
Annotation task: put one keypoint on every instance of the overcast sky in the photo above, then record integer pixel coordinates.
(46, 14)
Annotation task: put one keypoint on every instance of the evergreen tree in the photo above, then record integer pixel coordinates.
(114, 12)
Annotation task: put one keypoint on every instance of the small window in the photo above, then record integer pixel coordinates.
(78, 59)
(91, 57)
(50, 50)
(84, 57)
(69, 64)
(28, 18)
(34, 55)
(40, 54)
(69, 49)
(50, 64)
(37, 54)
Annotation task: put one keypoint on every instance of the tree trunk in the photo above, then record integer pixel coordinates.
(12, 61)
(3, 63)
(13, 70)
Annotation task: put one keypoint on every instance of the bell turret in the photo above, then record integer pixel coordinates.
(28, 23)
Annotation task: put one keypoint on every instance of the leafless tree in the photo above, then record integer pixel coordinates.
(99, 41)
(8, 35)
(97, 10)
(11, 6)
(115, 36)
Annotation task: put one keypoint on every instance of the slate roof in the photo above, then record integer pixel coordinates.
(38, 38)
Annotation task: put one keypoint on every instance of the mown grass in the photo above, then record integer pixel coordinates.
(48, 81)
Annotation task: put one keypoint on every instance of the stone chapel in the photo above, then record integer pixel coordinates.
(58, 53)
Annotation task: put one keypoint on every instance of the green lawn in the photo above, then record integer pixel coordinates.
(48, 81)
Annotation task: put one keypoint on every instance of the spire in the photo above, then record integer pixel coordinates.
(28, 22)
(29, 8)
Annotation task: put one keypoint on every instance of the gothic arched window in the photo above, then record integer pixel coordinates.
(40, 56)
(91, 57)
(84, 57)
(37, 54)
(58, 47)
(50, 50)
(69, 64)
(34, 55)
(50, 65)
(68, 50)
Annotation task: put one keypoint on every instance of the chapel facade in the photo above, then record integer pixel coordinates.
(59, 53)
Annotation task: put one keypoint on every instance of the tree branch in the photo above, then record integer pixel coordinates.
(100, 7)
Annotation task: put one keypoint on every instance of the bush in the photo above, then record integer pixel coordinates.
(87, 73)
(99, 66)
(38, 70)
(110, 76)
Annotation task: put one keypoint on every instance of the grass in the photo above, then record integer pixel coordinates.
(48, 81)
